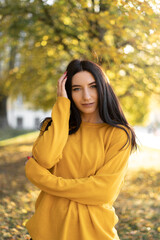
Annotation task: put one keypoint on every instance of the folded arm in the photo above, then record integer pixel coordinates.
(48, 147)
(103, 187)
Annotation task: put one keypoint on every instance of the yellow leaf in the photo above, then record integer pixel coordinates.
(19, 227)
(50, 52)
(45, 38)
(14, 230)
(4, 227)
(37, 44)
(24, 222)
(24, 210)
(67, 20)
(112, 22)
(7, 234)
(43, 43)
(109, 39)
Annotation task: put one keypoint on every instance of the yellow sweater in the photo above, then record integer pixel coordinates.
(80, 176)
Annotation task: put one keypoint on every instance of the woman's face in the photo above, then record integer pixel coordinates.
(84, 93)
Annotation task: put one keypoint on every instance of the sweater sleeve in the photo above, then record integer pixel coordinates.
(48, 147)
(103, 187)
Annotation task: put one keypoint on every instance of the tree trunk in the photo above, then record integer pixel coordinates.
(3, 96)
(3, 112)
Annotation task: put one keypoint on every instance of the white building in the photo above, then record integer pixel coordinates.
(21, 116)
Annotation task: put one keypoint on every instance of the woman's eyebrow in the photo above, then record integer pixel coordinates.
(80, 85)
(92, 82)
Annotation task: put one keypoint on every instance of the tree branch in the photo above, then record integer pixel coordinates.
(47, 14)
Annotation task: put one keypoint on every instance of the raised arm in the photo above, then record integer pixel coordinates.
(103, 187)
(48, 147)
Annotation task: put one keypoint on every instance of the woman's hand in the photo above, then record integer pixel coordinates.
(61, 91)
(28, 157)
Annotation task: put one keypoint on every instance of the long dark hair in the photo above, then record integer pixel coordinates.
(110, 110)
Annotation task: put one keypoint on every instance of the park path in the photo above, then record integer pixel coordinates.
(148, 139)
(148, 154)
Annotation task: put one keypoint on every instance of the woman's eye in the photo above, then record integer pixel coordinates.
(93, 86)
(76, 89)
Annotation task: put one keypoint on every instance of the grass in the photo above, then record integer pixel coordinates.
(7, 133)
(23, 137)
(137, 205)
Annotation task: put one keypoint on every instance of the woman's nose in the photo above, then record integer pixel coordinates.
(86, 94)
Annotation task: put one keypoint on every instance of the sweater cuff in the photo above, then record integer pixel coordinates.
(63, 99)
(61, 108)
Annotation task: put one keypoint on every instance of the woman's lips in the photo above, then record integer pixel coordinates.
(88, 104)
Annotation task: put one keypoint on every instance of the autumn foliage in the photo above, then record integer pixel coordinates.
(39, 38)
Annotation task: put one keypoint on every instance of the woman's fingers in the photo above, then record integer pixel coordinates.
(28, 157)
(62, 77)
(60, 81)
(61, 91)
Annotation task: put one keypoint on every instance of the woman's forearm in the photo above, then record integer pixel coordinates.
(48, 148)
(94, 190)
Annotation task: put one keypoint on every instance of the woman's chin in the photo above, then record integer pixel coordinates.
(87, 111)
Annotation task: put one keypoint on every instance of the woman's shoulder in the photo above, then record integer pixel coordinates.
(117, 133)
(119, 129)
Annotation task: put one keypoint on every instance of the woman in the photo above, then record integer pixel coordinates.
(80, 159)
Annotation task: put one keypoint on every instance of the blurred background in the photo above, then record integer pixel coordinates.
(38, 38)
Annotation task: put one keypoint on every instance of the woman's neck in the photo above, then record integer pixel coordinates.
(91, 119)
